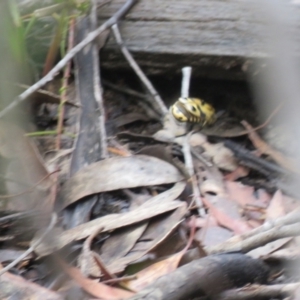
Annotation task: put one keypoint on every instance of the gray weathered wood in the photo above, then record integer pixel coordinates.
(211, 35)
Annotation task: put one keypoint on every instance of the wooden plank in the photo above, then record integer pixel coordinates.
(211, 35)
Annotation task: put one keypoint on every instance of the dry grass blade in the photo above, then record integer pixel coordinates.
(90, 37)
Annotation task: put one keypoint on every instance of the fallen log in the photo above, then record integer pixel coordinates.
(215, 37)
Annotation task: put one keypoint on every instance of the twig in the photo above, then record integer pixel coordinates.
(185, 84)
(186, 150)
(158, 101)
(97, 87)
(263, 147)
(290, 218)
(252, 161)
(28, 190)
(101, 265)
(86, 255)
(32, 247)
(66, 76)
(12, 216)
(124, 90)
(119, 279)
(267, 121)
(201, 158)
(41, 91)
(258, 240)
(62, 63)
(259, 291)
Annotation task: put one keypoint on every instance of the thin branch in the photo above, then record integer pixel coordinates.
(32, 247)
(267, 121)
(120, 279)
(290, 218)
(185, 84)
(124, 90)
(263, 147)
(101, 265)
(62, 63)
(186, 149)
(201, 158)
(41, 91)
(158, 101)
(258, 240)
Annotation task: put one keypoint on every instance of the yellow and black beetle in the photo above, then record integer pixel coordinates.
(193, 111)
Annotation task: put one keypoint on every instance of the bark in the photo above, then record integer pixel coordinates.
(207, 276)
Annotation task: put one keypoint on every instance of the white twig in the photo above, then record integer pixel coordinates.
(62, 63)
(186, 150)
(159, 104)
(185, 84)
(32, 247)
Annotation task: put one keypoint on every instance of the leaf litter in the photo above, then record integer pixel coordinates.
(146, 166)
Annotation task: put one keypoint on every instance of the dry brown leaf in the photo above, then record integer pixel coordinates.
(151, 273)
(148, 275)
(290, 203)
(94, 288)
(123, 240)
(276, 207)
(274, 211)
(213, 235)
(86, 261)
(107, 223)
(204, 222)
(291, 253)
(160, 151)
(226, 214)
(211, 186)
(264, 148)
(221, 156)
(239, 172)
(157, 231)
(117, 173)
(244, 195)
(16, 287)
(211, 182)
